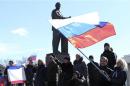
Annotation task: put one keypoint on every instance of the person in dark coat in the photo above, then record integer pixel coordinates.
(29, 71)
(77, 80)
(57, 36)
(119, 76)
(40, 74)
(67, 71)
(52, 70)
(103, 81)
(92, 72)
(11, 63)
(111, 56)
(80, 66)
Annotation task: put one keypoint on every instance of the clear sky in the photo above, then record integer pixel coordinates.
(25, 30)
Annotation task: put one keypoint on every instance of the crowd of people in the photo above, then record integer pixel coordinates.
(78, 73)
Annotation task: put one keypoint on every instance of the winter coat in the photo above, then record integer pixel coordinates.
(81, 67)
(29, 71)
(93, 74)
(103, 81)
(40, 76)
(52, 69)
(67, 70)
(118, 77)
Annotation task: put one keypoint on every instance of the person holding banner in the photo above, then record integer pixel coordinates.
(11, 63)
(56, 14)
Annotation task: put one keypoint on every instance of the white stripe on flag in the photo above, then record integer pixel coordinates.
(89, 18)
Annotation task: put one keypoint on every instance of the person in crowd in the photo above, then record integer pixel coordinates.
(29, 71)
(67, 70)
(2, 79)
(111, 49)
(104, 80)
(57, 36)
(119, 76)
(1, 73)
(40, 74)
(52, 70)
(11, 63)
(110, 56)
(77, 80)
(92, 72)
(81, 67)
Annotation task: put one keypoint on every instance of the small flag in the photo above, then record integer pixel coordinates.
(32, 58)
(16, 74)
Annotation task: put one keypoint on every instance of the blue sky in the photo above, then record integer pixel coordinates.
(25, 30)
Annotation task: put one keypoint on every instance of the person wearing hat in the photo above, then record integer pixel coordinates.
(110, 55)
(80, 66)
(57, 36)
(11, 63)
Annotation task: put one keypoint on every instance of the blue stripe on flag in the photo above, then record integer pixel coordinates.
(14, 67)
(75, 29)
(102, 24)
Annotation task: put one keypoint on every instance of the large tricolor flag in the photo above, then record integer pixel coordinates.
(16, 74)
(85, 30)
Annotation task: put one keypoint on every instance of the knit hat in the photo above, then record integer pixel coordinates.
(106, 44)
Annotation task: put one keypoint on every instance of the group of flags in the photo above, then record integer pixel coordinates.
(82, 31)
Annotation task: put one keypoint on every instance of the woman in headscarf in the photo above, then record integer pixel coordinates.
(119, 76)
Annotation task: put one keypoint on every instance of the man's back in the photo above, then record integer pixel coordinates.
(56, 14)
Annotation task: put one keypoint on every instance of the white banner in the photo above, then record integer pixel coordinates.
(16, 74)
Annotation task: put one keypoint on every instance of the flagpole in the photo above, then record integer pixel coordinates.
(100, 71)
(107, 77)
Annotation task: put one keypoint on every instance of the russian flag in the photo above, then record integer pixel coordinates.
(16, 74)
(85, 30)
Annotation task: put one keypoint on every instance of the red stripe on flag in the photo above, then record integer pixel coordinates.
(93, 36)
(18, 81)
